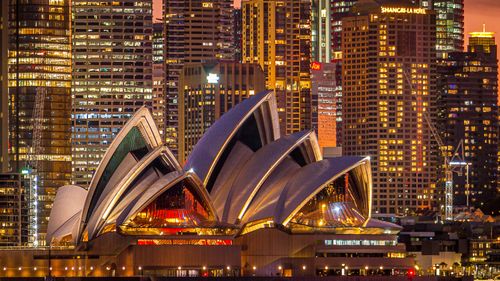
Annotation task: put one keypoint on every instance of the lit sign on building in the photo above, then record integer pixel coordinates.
(403, 10)
(315, 65)
(212, 78)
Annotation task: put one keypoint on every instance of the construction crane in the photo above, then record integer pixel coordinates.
(34, 163)
(451, 164)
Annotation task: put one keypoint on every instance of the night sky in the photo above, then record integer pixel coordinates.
(477, 12)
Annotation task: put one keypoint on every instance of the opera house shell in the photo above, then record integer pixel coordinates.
(241, 179)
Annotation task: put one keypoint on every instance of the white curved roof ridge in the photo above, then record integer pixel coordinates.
(133, 194)
(68, 203)
(257, 169)
(264, 202)
(162, 185)
(68, 228)
(105, 206)
(142, 119)
(310, 180)
(363, 197)
(375, 223)
(237, 158)
(210, 147)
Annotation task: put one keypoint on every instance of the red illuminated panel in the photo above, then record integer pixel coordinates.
(315, 65)
(204, 242)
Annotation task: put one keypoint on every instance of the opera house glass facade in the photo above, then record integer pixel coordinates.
(243, 182)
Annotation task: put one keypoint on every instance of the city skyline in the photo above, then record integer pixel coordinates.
(477, 13)
(283, 138)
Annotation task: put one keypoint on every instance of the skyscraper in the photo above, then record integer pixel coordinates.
(4, 94)
(339, 10)
(277, 36)
(40, 101)
(327, 91)
(449, 25)
(158, 109)
(388, 93)
(468, 112)
(195, 31)
(237, 28)
(321, 31)
(112, 75)
(14, 215)
(208, 90)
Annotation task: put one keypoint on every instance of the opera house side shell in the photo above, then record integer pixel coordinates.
(242, 177)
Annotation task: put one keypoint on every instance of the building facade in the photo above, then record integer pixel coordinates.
(339, 10)
(112, 75)
(40, 101)
(209, 90)
(327, 95)
(321, 33)
(4, 94)
(449, 25)
(14, 216)
(237, 29)
(196, 31)
(277, 36)
(468, 113)
(158, 109)
(388, 96)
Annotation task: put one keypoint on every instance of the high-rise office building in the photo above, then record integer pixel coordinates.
(388, 93)
(321, 31)
(209, 90)
(14, 215)
(196, 31)
(112, 75)
(158, 41)
(158, 110)
(277, 36)
(339, 10)
(237, 28)
(4, 91)
(449, 25)
(326, 92)
(40, 101)
(468, 113)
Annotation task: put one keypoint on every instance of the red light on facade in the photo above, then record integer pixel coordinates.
(411, 272)
(315, 65)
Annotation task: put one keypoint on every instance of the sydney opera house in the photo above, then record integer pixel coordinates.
(248, 201)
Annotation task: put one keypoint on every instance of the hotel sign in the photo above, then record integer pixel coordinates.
(403, 10)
